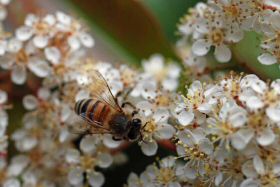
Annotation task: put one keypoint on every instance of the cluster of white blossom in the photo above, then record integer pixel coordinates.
(167, 173)
(221, 23)
(227, 135)
(43, 45)
(230, 132)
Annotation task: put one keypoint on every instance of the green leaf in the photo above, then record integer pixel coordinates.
(168, 13)
(126, 25)
(246, 53)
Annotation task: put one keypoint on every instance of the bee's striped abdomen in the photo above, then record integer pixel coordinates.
(81, 106)
(93, 110)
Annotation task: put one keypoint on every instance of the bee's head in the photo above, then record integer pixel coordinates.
(134, 130)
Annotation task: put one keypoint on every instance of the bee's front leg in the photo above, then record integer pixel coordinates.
(124, 95)
(129, 104)
(116, 138)
(134, 113)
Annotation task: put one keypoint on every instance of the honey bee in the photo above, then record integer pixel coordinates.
(103, 115)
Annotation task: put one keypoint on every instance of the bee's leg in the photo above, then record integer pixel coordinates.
(145, 124)
(127, 93)
(134, 113)
(120, 93)
(116, 139)
(141, 139)
(129, 104)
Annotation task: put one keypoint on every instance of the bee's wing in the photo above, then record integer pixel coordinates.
(101, 91)
(95, 125)
(84, 125)
(87, 129)
(79, 128)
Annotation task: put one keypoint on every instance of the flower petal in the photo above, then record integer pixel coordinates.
(75, 176)
(249, 183)
(24, 33)
(206, 146)
(165, 131)
(19, 75)
(30, 102)
(258, 165)
(104, 160)
(149, 148)
(222, 53)
(39, 67)
(267, 59)
(96, 179)
(241, 138)
(185, 118)
(201, 47)
(3, 97)
(87, 145)
(266, 137)
(273, 114)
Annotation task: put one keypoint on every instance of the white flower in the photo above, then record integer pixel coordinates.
(19, 58)
(12, 182)
(188, 24)
(17, 165)
(163, 175)
(166, 74)
(215, 34)
(156, 127)
(145, 87)
(85, 162)
(195, 147)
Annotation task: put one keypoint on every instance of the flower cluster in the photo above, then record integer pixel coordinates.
(219, 24)
(44, 46)
(166, 173)
(228, 134)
